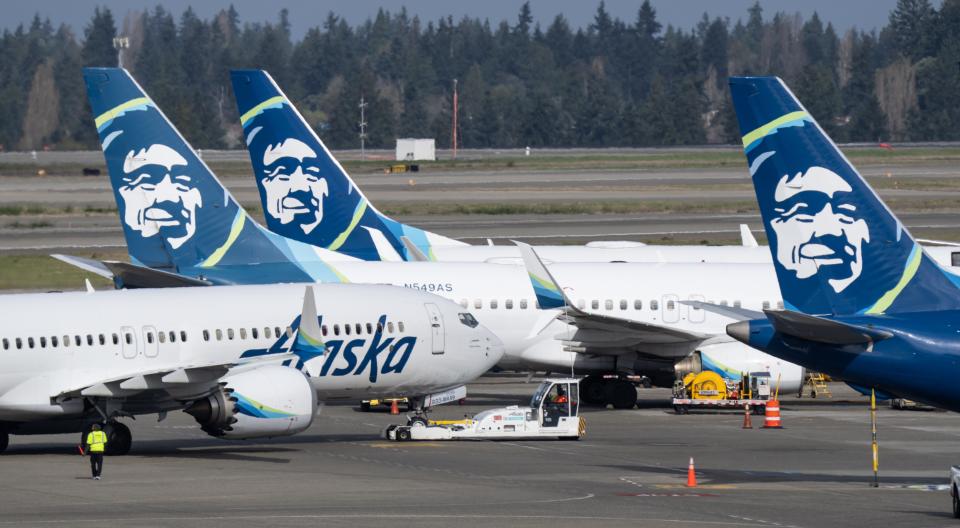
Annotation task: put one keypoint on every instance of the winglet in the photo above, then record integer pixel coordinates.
(309, 336)
(413, 251)
(746, 237)
(88, 286)
(545, 287)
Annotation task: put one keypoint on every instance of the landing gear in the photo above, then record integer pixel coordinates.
(4, 441)
(119, 439)
(598, 390)
(415, 405)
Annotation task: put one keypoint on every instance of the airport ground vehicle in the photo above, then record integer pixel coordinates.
(708, 389)
(553, 413)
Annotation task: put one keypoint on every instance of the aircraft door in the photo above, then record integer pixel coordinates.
(128, 342)
(151, 345)
(436, 327)
(670, 308)
(696, 315)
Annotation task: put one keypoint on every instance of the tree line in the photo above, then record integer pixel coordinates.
(612, 83)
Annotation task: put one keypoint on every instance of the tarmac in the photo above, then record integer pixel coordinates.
(629, 469)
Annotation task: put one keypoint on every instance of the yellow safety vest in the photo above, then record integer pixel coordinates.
(97, 440)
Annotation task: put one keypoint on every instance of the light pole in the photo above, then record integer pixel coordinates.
(120, 43)
(363, 128)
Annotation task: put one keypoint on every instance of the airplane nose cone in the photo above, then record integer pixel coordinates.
(494, 347)
(739, 331)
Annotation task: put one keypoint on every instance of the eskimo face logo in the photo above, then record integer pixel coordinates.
(159, 196)
(292, 184)
(817, 229)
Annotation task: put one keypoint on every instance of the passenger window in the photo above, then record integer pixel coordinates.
(595, 304)
(654, 305)
(779, 305)
(89, 339)
(102, 338)
(523, 304)
(369, 328)
(766, 305)
(266, 332)
(359, 328)
(276, 332)
(219, 334)
(66, 341)
(379, 328)
(116, 339)
(323, 330)
(336, 329)
(623, 304)
(638, 304)
(493, 306)
(54, 342)
(955, 258)
(30, 342)
(671, 305)
(173, 336)
(581, 303)
(6, 343)
(253, 333)
(206, 335)
(76, 340)
(477, 303)
(608, 304)
(243, 333)
(724, 303)
(43, 342)
(736, 304)
(128, 338)
(230, 334)
(150, 337)
(161, 337)
(390, 327)
(346, 329)
(19, 343)
(289, 332)
(400, 326)
(464, 303)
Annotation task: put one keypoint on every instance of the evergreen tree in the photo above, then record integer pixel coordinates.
(98, 40)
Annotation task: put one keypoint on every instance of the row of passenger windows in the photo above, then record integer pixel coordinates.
(608, 304)
(90, 340)
(275, 332)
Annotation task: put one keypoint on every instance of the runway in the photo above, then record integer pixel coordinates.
(62, 213)
(629, 469)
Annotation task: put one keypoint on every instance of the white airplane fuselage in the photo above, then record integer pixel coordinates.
(52, 343)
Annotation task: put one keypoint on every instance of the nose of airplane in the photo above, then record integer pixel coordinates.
(492, 345)
(739, 331)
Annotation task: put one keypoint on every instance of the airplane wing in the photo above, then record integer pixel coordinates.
(737, 314)
(131, 275)
(598, 333)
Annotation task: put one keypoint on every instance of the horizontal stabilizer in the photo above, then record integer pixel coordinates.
(93, 266)
(822, 330)
(131, 276)
(413, 251)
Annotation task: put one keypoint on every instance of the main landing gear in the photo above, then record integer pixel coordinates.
(4, 441)
(119, 438)
(599, 390)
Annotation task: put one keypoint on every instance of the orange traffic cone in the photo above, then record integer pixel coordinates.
(394, 408)
(747, 424)
(772, 416)
(691, 475)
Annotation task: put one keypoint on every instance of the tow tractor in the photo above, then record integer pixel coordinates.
(553, 413)
(707, 389)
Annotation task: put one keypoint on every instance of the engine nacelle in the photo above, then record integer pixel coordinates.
(730, 359)
(267, 401)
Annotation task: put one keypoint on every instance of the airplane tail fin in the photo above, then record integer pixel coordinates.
(836, 246)
(176, 215)
(305, 192)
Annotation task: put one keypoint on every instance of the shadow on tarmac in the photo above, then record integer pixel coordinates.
(723, 476)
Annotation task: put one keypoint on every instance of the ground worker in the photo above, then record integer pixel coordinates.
(96, 445)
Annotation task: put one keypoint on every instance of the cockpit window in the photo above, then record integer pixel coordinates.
(468, 319)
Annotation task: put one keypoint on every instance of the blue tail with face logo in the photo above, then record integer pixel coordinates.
(176, 215)
(305, 192)
(836, 246)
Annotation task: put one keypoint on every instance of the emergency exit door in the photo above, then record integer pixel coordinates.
(436, 327)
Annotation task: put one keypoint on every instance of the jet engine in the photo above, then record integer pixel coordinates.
(261, 402)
